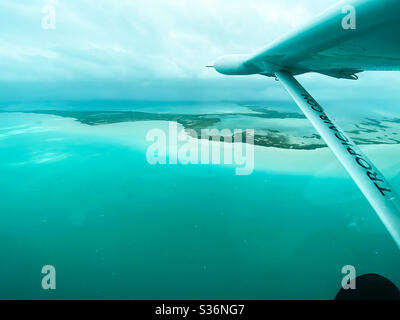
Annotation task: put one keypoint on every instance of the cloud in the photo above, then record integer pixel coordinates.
(148, 49)
(135, 39)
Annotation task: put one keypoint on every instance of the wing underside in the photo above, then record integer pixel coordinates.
(326, 47)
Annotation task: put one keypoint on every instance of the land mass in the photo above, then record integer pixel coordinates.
(368, 131)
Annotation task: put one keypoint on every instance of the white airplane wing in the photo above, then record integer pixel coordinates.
(350, 37)
(329, 44)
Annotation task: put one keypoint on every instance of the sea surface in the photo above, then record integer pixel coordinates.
(86, 200)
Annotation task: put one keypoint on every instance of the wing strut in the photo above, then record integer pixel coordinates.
(372, 183)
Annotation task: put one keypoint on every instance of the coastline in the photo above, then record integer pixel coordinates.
(317, 162)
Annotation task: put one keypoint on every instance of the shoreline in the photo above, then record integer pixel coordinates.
(266, 133)
(318, 162)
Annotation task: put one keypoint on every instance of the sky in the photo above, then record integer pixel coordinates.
(154, 50)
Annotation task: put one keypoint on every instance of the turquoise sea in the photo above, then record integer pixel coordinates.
(85, 200)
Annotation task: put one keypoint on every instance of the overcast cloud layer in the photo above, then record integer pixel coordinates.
(155, 50)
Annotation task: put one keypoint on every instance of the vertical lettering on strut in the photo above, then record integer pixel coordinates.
(359, 158)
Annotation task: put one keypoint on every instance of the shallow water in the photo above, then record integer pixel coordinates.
(85, 200)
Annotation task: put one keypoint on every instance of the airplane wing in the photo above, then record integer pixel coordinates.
(350, 37)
